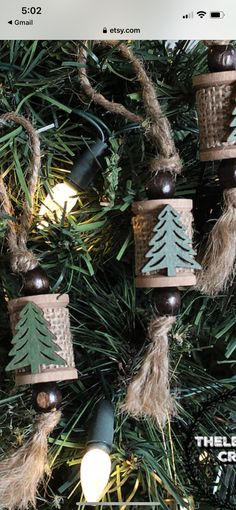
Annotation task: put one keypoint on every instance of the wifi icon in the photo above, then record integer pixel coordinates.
(201, 14)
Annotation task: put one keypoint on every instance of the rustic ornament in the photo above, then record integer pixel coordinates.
(148, 394)
(215, 97)
(42, 345)
(33, 343)
(170, 245)
(215, 93)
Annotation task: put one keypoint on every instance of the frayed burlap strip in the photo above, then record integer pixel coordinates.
(22, 472)
(149, 392)
(219, 260)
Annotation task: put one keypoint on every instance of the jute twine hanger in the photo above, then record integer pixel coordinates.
(149, 391)
(157, 126)
(22, 260)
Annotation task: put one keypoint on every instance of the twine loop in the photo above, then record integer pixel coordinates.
(156, 124)
(22, 260)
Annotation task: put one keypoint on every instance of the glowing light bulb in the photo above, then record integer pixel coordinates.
(203, 456)
(55, 202)
(94, 473)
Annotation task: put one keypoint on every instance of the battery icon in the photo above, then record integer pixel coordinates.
(217, 14)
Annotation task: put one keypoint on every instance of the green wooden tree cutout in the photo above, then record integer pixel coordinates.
(232, 136)
(170, 246)
(33, 343)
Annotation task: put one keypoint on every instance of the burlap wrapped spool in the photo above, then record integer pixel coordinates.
(215, 94)
(145, 218)
(55, 312)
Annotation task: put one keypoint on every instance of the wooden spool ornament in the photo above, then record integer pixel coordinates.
(162, 235)
(42, 349)
(216, 102)
(148, 393)
(56, 314)
(216, 106)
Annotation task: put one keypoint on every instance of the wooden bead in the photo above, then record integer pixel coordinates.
(35, 282)
(221, 58)
(161, 185)
(167, 301)
(46, 397)
(227, 173)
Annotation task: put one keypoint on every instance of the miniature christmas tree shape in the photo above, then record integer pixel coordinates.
(33, 343)
(170, 246)
(232, 136)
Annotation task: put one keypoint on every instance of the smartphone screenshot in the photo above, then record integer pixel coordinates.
(118, 255)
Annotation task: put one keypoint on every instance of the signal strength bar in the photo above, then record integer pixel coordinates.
(188, 16)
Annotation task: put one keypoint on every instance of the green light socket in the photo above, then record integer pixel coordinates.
(101, 430)
(86, 167)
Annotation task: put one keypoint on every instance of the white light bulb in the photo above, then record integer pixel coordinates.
(94, 473)
(55, 202)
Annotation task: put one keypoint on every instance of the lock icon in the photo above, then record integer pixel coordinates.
(105, 30)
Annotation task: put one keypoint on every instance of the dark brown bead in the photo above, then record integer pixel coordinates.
(161, 185)
(167, 301)
(46, 397)
(35, 282)
(227, 173)
(221, 58)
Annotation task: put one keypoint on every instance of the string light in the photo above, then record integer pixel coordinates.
(94, 473)
(96, 463)
(63, 195)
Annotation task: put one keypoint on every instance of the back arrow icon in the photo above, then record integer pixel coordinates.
(10, 22)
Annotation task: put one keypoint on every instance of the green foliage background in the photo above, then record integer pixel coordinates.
(89, 253)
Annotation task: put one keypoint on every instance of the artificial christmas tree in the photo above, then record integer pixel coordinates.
(89, 253)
